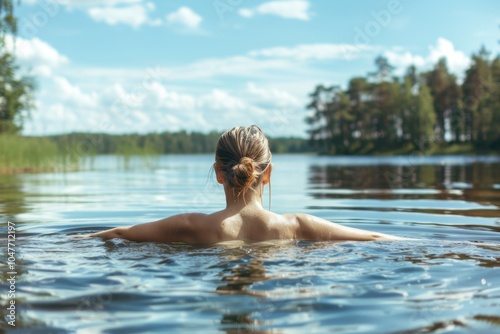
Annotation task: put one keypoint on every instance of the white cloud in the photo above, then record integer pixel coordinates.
(134, 15)
(55, 118)
(83, 3)
(201, 71)
(270, 96)
(72, 95)
(314, 51)
(184, 17)
(287, 9)
(64, 107)
(402, 60)
(456, 60)
(219, 99)
(161, 97)
(36, 55)
(245, 12)
(236, 66)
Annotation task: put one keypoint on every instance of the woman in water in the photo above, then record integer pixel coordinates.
(243, 166)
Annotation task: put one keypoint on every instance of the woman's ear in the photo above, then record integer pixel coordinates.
(267, 174)
(219, 176)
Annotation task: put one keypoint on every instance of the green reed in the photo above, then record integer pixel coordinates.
(18, 153)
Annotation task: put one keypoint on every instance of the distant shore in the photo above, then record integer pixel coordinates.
(21, 160)
(20, 154)
(453, 149)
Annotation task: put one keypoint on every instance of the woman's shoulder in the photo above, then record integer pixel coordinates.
(282, 226)
(298, 218)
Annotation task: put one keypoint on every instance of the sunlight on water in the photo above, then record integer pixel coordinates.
(449, 279)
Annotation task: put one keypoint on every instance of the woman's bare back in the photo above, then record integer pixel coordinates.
(261, 226)
(249, 225)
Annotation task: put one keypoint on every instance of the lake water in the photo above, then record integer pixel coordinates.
(448, 281)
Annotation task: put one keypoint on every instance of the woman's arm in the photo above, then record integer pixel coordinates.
(315, 228)
(181, 228)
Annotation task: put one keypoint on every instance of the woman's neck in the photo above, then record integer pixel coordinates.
(252, 199)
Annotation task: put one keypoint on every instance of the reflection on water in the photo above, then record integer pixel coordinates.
(12, 197)
(458, 182)
(442, 188)
(449, 280)
(240, 269)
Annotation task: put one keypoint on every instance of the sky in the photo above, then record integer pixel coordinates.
(140, 66)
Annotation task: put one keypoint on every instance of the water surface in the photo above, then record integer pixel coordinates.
(448, 281)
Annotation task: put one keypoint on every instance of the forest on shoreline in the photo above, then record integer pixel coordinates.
(431, 110)
(66, 151)
(180, 142)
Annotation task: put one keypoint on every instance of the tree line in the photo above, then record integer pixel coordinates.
(180, 142)
(418, 110)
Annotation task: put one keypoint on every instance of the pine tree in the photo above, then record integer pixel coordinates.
(477, 87)
(407, 116)
(384, 70)
(331, 119)
(319, 132)
(494, 134)
(446, 95)
(358, 92)
(425, 119)
(384, 109)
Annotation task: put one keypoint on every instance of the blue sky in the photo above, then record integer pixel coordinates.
(123, 66)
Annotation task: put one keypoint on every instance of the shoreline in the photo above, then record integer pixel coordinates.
(453, 149)
(447, 151)
(23, 170)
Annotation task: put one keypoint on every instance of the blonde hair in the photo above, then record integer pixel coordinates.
(243, 155)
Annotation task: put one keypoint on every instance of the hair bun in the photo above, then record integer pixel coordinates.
(246, 161)
(243, 172)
